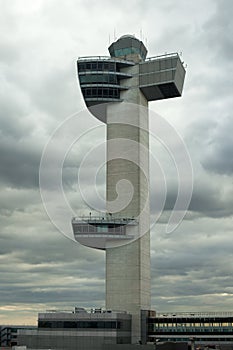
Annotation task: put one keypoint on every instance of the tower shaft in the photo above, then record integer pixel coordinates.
(128, 266)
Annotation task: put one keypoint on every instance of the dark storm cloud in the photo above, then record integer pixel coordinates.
(30, 260)
(207, 200)
(19, 164)
(15, 113)
(16, 200)
(199, 268)
(217, 155)
(48, 296)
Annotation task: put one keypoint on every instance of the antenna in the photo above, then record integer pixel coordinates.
(141, 34)
(114, 34)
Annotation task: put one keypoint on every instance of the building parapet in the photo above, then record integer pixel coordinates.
(105, 58)
(165, 55)
(194, 314)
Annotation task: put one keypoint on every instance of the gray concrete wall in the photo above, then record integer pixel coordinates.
(71, 340)
(164, 346)
(128, 347)
(128, 267)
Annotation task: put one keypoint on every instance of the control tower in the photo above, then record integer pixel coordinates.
(116, 90)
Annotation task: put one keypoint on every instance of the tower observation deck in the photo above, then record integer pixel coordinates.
(116, 90)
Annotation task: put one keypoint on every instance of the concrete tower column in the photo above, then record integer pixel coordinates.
(128, 266)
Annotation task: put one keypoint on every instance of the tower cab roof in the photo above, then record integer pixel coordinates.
(128, 45)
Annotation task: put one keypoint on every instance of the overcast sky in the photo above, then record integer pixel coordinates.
(40, 42)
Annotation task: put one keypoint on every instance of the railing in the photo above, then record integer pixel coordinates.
(57, 311)
(104, 219)
(105, 58)
(193, 329)
(195, 314)
(165, 55)
(109, 58)
(94, 58)
(83, 310)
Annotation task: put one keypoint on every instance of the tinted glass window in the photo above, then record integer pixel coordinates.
(81, 67)
(101, 92)
(99, 66)
(112, 66)
(70, 324)
(98, 78)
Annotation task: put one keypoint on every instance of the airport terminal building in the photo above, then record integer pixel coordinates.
(104, 329)
(78, 329)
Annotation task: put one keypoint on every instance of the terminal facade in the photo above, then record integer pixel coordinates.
(205, 328)
(99, 329)
(78, 329)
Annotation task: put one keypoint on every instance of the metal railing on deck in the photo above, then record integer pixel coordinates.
(105, 219)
